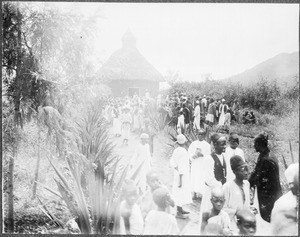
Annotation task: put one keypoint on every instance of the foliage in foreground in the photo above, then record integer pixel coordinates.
(91, 189)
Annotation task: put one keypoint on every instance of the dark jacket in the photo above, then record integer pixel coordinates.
(266, 179)
(219, 169)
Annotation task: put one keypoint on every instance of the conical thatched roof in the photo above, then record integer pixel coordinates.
(128, 63)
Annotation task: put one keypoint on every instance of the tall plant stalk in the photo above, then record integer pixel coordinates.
(36, 173)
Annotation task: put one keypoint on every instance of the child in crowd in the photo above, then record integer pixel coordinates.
(160, 222)
(216, 215)
(246, 223)
(146, 202)
(131, 221)
(237, 191)
(231, 151)
(213, 229)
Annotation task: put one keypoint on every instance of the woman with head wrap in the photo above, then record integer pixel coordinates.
(265, 177)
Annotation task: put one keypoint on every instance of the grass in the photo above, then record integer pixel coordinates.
(283, 134)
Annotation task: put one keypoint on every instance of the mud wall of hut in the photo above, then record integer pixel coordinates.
(125, 87)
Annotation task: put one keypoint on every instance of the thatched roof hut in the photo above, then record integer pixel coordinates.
(128, 72)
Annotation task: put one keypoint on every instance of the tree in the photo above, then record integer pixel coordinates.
(38, 55)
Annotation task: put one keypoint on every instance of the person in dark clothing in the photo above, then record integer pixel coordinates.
(186, 113)
(246, 117)
(252, 119)
(265, 177)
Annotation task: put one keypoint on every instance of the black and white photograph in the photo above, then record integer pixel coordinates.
(150, 118)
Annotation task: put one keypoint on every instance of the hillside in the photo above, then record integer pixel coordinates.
(283, 68)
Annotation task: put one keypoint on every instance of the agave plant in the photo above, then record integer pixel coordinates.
(94, 202)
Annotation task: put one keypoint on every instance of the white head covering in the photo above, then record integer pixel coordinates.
(197, 102)
(144, 136)
(181, 139)
(291, 171)
(223, 100)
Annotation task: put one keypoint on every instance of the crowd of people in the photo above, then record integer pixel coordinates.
(212, 171)
(232, 202)
(131, 115)
(186, 112)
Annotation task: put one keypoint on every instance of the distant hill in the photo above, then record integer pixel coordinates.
(283, 68)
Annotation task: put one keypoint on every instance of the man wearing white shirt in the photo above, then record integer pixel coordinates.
(197, 150)
(284, 217)
(233, 150)
(216, 171)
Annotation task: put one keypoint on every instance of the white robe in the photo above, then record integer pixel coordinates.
(198, 168)
(116, 124)
(197, 117)
(160, 223)
(284, 215)
(126, 122)
(180, 159)
(141, 157)
(263, 227)
(136, 220)
(136, 124)
(234, 200)
(222, 114)
(180, 124)
(210, 184)
(229, 152)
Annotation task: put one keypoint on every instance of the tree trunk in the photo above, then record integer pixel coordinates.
(36, 175)
(17, 120)
(10, 189)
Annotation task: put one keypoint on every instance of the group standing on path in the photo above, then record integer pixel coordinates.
(233, 202)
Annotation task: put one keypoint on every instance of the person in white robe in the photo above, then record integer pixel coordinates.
(284, 217)
(131, 220)
(159, 221)
(216, 159)
(237, 191)
(140, 163)
(197, 150)
(231, 151)
(181, 189)
(136, 125)
(116, 121)
(126, 121)
(197, 116)
(180, 123)
(222, 111)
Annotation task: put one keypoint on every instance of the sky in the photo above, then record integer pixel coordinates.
(197, 39)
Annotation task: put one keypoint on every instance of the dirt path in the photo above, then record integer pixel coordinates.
(189, 226)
